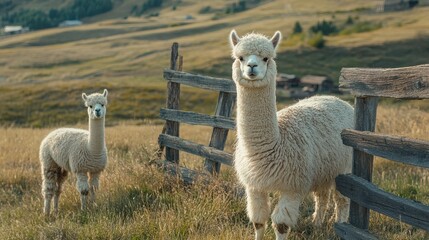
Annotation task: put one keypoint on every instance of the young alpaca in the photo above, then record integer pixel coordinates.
(78, 151)
(294, 151)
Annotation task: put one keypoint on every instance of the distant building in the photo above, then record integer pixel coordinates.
(313, 83)
(398, 5)
(70, 23)
(10, 30)
(287, 81)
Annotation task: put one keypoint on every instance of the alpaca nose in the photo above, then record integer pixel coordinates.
(252, 65)
(97, 110)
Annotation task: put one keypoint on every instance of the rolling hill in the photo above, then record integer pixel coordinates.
(43, 72)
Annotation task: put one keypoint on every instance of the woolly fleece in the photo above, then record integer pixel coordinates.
(75, 150)
(295, 151)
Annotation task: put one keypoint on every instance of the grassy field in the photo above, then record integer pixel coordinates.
(127, 56)
(138, 201)
(43, 73)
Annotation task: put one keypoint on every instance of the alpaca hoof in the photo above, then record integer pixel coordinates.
(282, 228)
(282, 231)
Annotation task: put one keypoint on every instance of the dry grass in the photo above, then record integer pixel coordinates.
(48, 69)
(137, 201)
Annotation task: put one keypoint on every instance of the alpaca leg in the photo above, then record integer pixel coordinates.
(321, 201)
(83, 188)
(342, 207)
(61, 177)
(49, 186)
(93, 185)
(285, 214)
(258, 210)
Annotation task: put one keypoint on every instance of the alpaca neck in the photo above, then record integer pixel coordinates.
(96, 142)
(257, 114)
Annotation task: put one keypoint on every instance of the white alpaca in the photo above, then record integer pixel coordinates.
(75, 150)
(295, 151)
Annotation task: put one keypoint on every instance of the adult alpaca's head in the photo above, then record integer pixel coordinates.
(96, 104)
(254, 58)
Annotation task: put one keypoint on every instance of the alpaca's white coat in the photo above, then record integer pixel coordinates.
(81, 152)
(295, 151)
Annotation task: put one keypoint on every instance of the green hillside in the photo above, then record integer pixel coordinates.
(127, 55)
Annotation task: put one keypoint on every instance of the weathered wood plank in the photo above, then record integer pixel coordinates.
(173, 96)
(370, 196)
(195, 148)
(407, 82)
(200, 81)
(349, 232)
(400, 149)
(197, 118)
(224, 107)
(365, 115)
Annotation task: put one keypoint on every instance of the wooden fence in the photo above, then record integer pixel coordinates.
(367, 85)
(220, 121)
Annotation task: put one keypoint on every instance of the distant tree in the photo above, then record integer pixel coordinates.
(324, 27)
(349, 21)
(148, 4)
(34, 19)
(205, 9)
(134, 9)
(297, 28)
(236, 7)
(85, 8)
(242, 5)
(6, 6)
(53, 14)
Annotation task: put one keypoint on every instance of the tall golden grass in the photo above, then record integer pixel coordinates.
(139, 201)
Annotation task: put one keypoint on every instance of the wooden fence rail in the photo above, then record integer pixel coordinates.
(404, 83)
(195, 148)
(370, 196)
(368, 85)
(350, 232)
(197, 118)
(400, 149)
(200, 81)
(220, 121)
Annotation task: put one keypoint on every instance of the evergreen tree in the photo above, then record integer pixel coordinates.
(297, 28)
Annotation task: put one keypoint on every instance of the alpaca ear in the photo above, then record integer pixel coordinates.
(105, 93)
(84, 97)
(276, 39)
(233, 38)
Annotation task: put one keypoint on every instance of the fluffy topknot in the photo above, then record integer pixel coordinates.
(254, 44)
(95, 98)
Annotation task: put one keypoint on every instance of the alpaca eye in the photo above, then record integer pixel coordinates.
(102, 105)
(265, 59)
(90, 106)
(241, 58)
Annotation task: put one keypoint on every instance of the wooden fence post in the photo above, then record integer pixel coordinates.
(173, 95)
(365, 116)
(224, 108)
